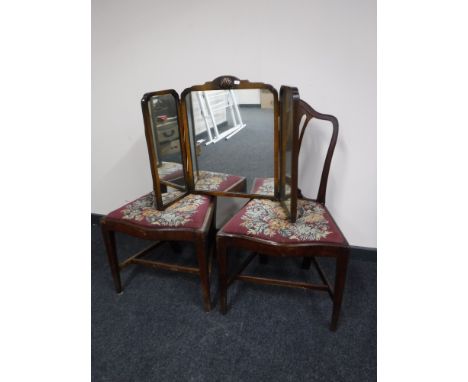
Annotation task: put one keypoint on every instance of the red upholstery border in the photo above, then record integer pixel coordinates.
(188, 212)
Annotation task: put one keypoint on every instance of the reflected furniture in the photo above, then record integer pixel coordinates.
(263, 227)
(229, 131)
(190, 219)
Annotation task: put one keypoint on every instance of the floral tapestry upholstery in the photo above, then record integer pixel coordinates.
(188, 212)
(265, 186)
(267, 219)
(170, 170)
(216, 181)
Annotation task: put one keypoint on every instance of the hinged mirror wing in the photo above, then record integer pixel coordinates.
(233, 138)
(166, 146)
(289, 150)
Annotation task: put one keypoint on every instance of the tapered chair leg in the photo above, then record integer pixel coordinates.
(222, 265)
(109, 240)
(340, 279)
(212, 233)
(200, 248)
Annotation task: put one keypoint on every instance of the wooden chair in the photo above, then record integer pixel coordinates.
(189, 219)
(262, 227)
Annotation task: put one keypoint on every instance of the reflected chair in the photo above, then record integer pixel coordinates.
(262, 227)
(217, 181)
(191, 219)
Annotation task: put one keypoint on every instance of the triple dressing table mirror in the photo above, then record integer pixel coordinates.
(227, 137)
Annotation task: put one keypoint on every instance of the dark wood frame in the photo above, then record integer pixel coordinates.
(159, 185)
(289, 100)
(308, 251)
(303, 108)
(203, 239)
(227, 83)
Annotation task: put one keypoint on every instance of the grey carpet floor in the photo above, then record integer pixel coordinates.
(249, 153)
(156, 330)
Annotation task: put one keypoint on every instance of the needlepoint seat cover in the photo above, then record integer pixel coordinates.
(188, 212)
(206, 180)
(216, 181)
(170, 170)
(265, 186)
(267, 219)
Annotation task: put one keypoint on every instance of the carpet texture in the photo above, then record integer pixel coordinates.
(156, 330)
(250, 153)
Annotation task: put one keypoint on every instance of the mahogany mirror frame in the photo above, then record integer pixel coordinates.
(289, 101)
(157, 182)
(231, 83)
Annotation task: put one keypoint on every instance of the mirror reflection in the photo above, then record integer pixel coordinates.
(232, 140)
(167, 142)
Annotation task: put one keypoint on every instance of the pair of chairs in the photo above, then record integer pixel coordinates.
(261, 227)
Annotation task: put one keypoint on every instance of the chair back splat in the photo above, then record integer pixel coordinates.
(304, 109)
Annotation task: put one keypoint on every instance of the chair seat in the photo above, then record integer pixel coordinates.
(188, 212)
(170, 171)
(216, 181)
(267, 219)
(265, 186)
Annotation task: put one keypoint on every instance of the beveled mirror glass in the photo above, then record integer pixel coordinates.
(289, 152)
(233, 138)
(165, 145)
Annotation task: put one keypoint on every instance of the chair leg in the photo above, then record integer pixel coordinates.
(109, 240)
(222, 265)
(213, 231)
(200, 248)
(340, 279)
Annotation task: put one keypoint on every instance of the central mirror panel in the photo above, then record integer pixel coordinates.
(232, 141)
